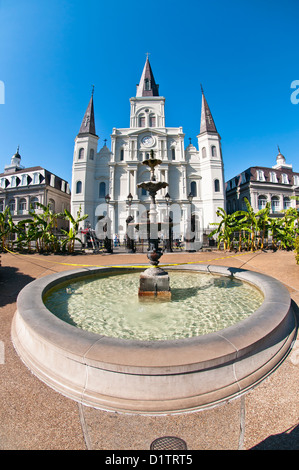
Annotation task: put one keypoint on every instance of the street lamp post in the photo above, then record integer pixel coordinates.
(168, 247)
(130, 241)
(189, 240)
(108, 241)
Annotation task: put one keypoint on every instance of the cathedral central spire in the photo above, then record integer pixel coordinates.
(147, 85)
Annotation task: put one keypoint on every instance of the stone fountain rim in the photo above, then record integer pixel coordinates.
(132, 356)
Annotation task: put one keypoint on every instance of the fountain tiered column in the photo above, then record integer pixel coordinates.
(154, 281)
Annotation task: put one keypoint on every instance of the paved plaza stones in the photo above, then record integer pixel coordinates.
(33, 416)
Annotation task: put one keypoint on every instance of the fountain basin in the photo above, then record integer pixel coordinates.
(153, 377)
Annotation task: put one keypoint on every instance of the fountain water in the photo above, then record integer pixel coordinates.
(154, 281)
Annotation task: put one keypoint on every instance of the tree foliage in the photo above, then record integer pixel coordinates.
(39, 232)
(249, 230)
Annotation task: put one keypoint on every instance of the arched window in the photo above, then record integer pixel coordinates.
(214, 151)
(275, 203)
(262, 201)
(33, 202)
(243, 205)
(91, 154)
(79, 187)
(173, 154)
(102, 189)
(12, 205)
(81, 153)
(22, 205)
(52, 205)
(141, 120)
(286, 203)
(217, 186)
(152, 120)
(193, 188)
(203, 152)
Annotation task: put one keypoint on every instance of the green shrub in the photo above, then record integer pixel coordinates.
(296, 247)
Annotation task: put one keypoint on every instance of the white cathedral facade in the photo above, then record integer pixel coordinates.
(195, 177)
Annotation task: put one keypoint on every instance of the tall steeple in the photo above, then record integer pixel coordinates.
(147, 85)
(207, 123)
(88, 123)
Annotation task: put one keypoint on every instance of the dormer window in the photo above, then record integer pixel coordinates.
(296, 180)
(260, 175)
(13, 181)
(285, 178)
(273, 177)
(243, 180)
(24, 180)
(36, 178)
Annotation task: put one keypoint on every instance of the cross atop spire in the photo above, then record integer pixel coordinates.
(147, 85)
(207, 123)
(88, 123)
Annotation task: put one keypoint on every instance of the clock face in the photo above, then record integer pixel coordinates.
(148, 141)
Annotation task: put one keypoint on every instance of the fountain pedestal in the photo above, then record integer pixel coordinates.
(154, 281)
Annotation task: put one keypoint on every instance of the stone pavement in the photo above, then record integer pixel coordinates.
(33, 416)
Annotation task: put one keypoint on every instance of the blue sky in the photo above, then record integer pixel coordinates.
(245, 53)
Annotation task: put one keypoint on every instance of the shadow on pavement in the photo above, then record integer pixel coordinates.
(288, 440)
(11, 282)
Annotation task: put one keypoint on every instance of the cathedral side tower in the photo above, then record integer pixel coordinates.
(84, 166)
(212, 171)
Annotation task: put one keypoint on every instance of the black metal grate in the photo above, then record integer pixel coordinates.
(168, 443)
